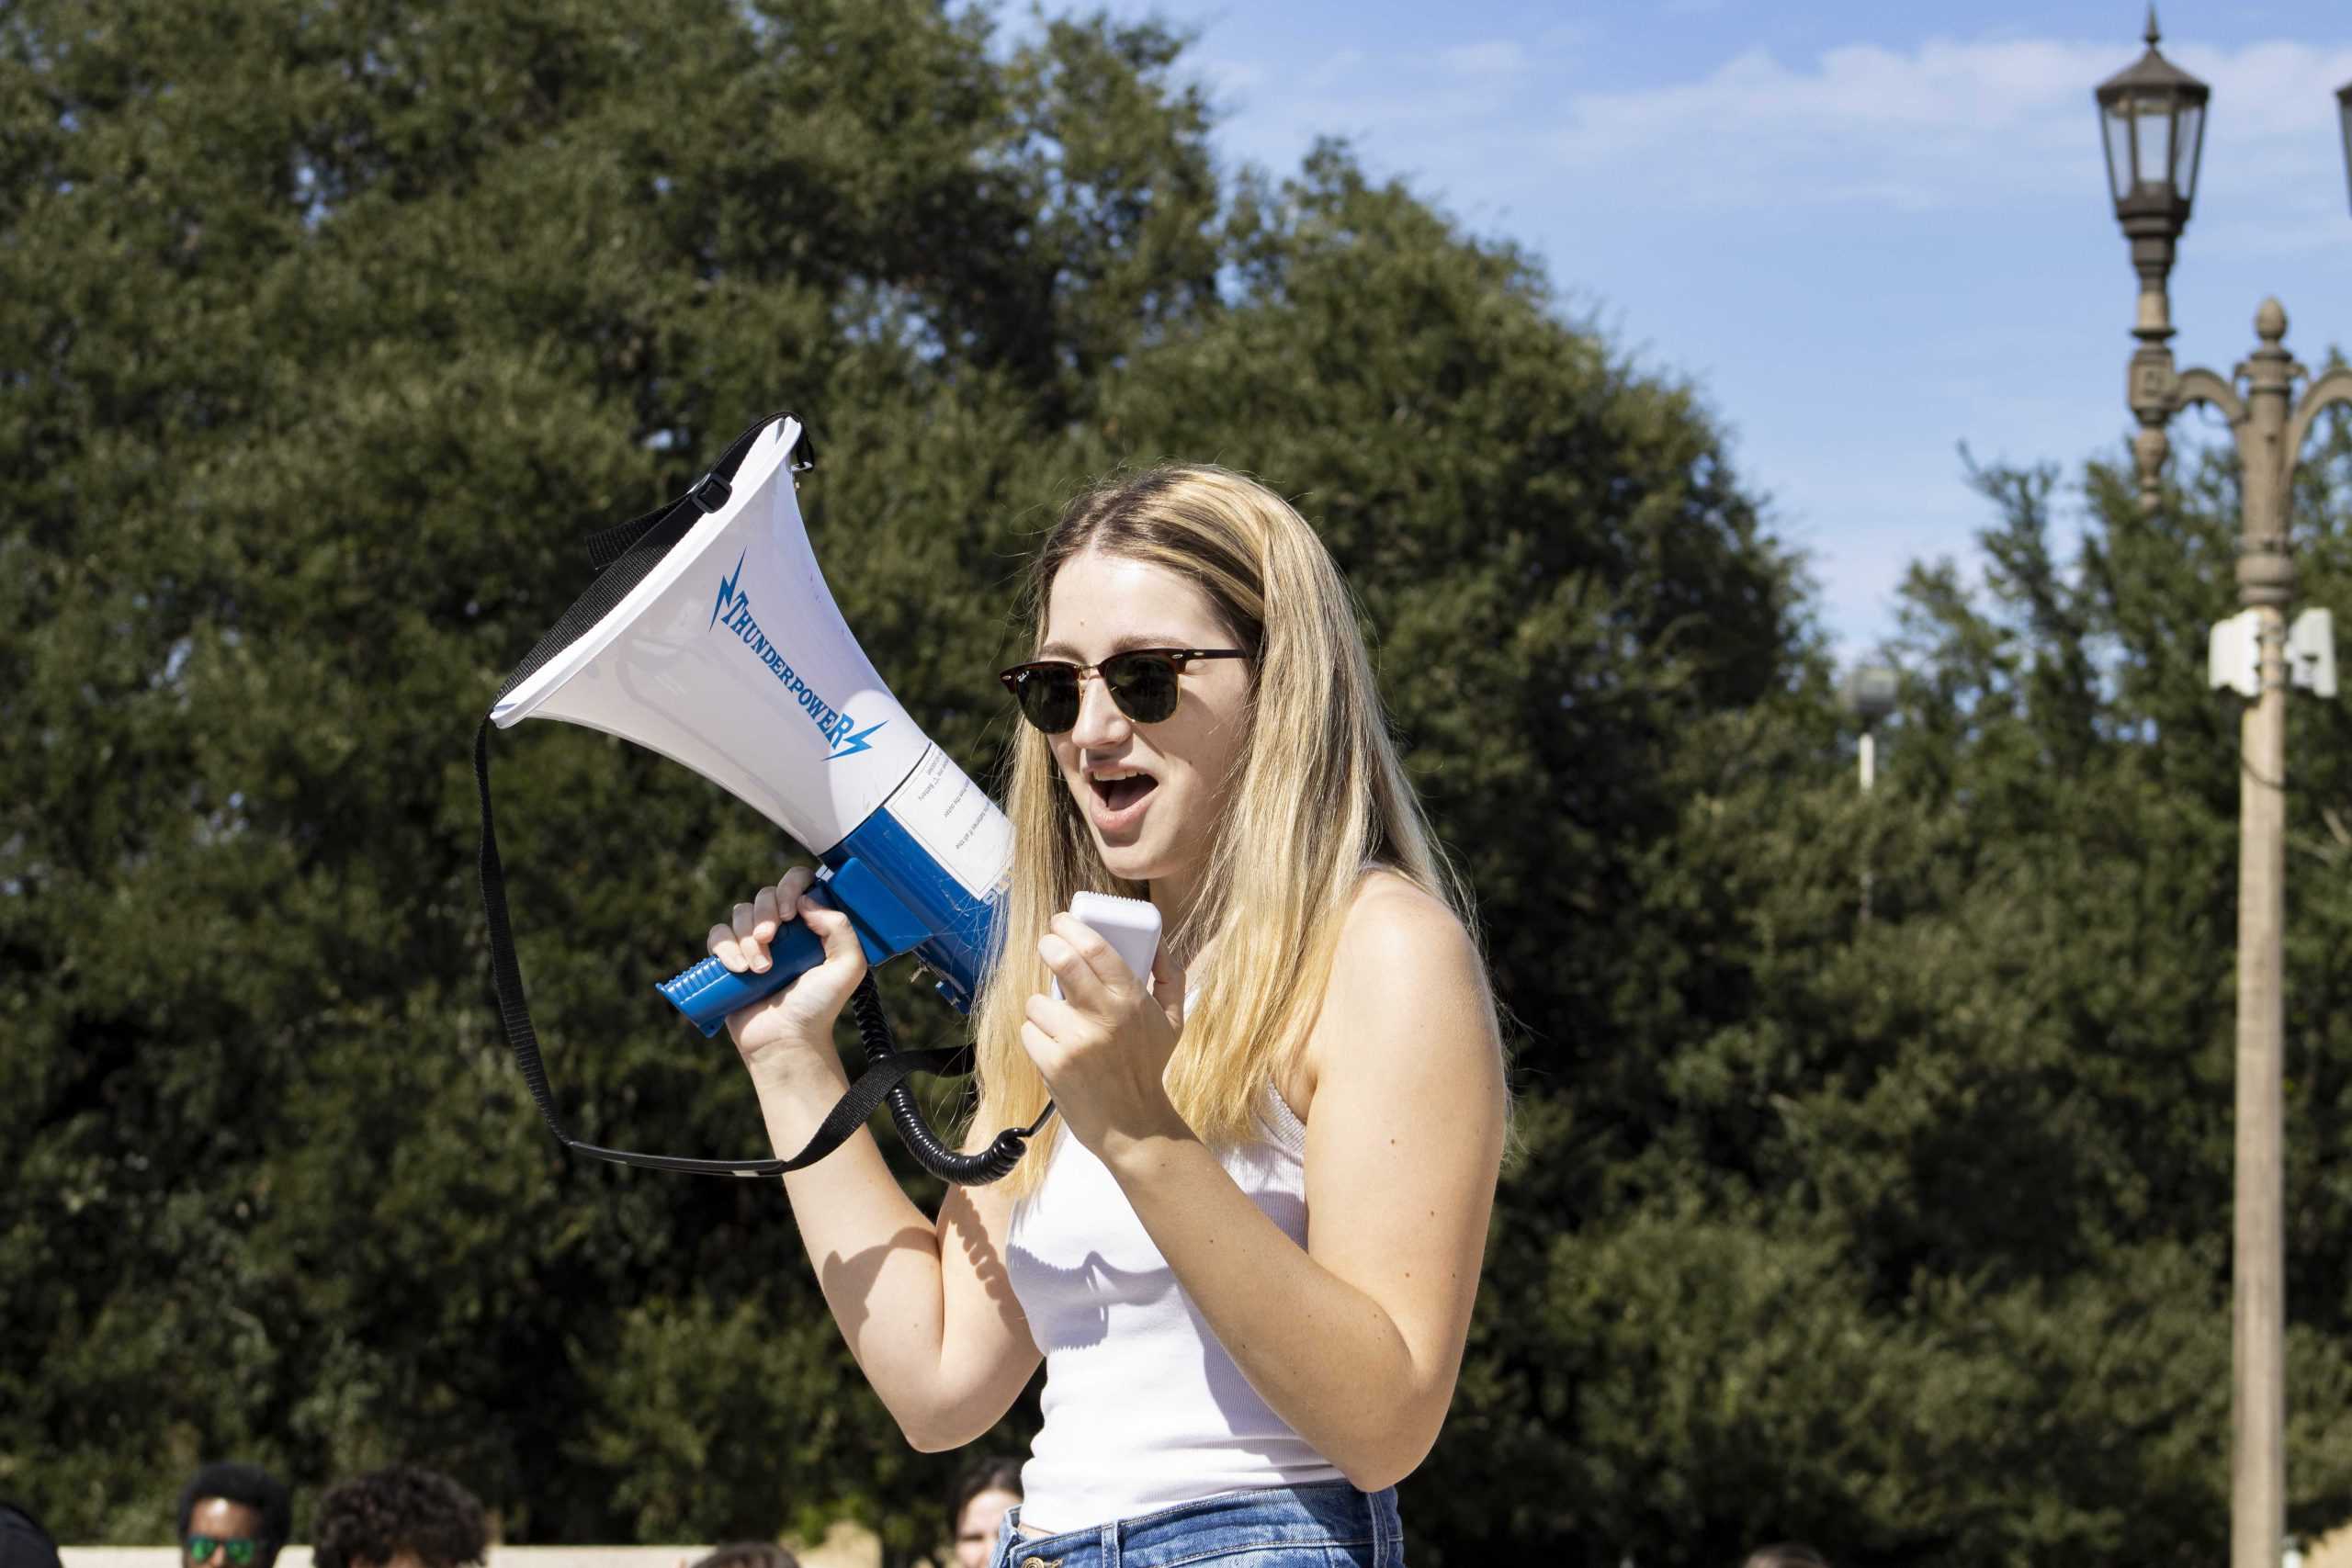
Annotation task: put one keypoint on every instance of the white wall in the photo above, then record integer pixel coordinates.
(844, 1546)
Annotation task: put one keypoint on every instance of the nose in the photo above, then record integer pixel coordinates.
(1100, 724)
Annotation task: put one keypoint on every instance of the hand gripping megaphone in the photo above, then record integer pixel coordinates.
(709, 636)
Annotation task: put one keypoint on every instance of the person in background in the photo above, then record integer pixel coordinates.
(233, 1516)
(748, 1555)
(1786, 1554)
(23, 1543)
(983, 1490)
(400, 1517)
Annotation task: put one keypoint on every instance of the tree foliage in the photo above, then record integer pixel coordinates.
(1908, 1176)
(334, 327)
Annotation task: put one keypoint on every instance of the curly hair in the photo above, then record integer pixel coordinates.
(372, 1519)
(253, 1486)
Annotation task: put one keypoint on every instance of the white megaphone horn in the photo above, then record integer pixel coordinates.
(713, 641)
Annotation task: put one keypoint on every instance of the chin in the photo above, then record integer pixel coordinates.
(1132, 863)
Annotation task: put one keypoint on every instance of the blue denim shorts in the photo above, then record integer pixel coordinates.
(1325, 1526)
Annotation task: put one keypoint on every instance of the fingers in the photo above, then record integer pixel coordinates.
(754, 951)
(743, 941)
(1057, 1019)
(832, 928)
(1045, 1052)
(1090, 970)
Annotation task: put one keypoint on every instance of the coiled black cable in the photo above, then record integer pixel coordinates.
(991, 1164)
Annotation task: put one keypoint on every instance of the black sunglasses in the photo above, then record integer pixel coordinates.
(1142, 681)
(238, 1549)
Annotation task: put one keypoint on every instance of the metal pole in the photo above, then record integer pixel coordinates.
(2266, 582)
(1869, 776)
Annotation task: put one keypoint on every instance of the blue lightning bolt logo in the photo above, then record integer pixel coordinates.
(727, 590)
(852, 744)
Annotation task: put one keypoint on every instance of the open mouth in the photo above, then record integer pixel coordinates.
(1124, 790)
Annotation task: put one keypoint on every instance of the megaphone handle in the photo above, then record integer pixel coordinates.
(709, 991)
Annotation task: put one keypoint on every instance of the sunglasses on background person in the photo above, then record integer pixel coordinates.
(1142, 682)
(241, 1551)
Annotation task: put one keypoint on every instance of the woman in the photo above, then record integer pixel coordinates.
(988, 1487)
(1248, 1254)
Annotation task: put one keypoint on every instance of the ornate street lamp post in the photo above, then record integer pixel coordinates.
(2151, 116)
(2152, 120)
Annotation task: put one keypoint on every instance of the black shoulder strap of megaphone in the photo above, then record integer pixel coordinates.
(624, 555)
(627, 553)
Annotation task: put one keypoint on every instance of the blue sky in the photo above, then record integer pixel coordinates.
(1866, 233)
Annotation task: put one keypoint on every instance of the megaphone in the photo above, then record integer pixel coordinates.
(711, 638)
(730, 656)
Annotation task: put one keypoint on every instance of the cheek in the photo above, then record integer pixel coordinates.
(1213, 745)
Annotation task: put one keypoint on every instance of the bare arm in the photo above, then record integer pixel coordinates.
(1356, 1341)
(924, 1305)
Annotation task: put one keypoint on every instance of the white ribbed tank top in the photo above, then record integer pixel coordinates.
(1144, 1409)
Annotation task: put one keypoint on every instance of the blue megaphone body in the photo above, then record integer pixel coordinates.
(728, 655)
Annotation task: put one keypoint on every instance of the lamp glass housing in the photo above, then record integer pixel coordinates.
(2187, 143)
(2154, 137)
(2115, 123)
(1870, 692)
(2151, 126)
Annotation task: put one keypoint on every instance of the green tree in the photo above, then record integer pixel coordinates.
(335, 326)
(1917, 1245)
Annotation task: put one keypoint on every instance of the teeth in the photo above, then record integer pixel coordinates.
(1113, 775)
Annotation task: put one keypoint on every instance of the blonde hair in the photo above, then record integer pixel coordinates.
(1316, 794)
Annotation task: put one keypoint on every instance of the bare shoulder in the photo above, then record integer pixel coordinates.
(1407, 978)
(1401, 938)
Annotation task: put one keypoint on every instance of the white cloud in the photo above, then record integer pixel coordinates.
(1498, 57)
(1980, 125)
(1948, 124)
